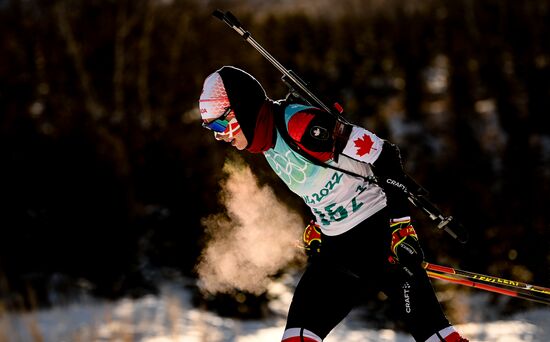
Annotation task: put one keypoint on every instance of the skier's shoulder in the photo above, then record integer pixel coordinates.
(306, 120)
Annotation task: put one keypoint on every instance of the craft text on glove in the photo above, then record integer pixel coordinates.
(405, 247)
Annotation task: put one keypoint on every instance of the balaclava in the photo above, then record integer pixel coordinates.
(245, 94)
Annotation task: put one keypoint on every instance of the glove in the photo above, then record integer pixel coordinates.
(312, 239)
(405, 247)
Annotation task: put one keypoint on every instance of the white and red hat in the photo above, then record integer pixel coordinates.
(213, 101)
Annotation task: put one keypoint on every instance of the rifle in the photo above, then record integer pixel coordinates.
(298, 89)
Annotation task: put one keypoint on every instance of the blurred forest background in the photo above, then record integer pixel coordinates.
(105, 172)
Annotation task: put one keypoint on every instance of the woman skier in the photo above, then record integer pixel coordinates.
(365, 226)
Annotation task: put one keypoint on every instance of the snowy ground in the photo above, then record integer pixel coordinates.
(171, 317)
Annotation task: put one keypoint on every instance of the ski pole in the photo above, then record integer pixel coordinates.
(503, 286)
(486, 278)
(490, 288)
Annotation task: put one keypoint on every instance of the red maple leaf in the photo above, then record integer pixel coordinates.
(363, 144)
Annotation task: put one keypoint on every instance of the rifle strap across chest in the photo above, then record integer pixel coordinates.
(282, 128)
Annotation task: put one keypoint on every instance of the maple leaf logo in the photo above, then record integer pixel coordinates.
(363, 144)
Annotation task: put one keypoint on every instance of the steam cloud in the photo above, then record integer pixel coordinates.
(253, 241)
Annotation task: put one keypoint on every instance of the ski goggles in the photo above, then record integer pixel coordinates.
(220, 124)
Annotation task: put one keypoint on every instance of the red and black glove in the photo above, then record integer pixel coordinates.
(405, 247)
(312, 239)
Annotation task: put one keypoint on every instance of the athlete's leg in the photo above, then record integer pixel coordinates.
(332, 284)
(323, 297)
(416, 304)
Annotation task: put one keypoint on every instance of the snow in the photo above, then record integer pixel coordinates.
(170, 316)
